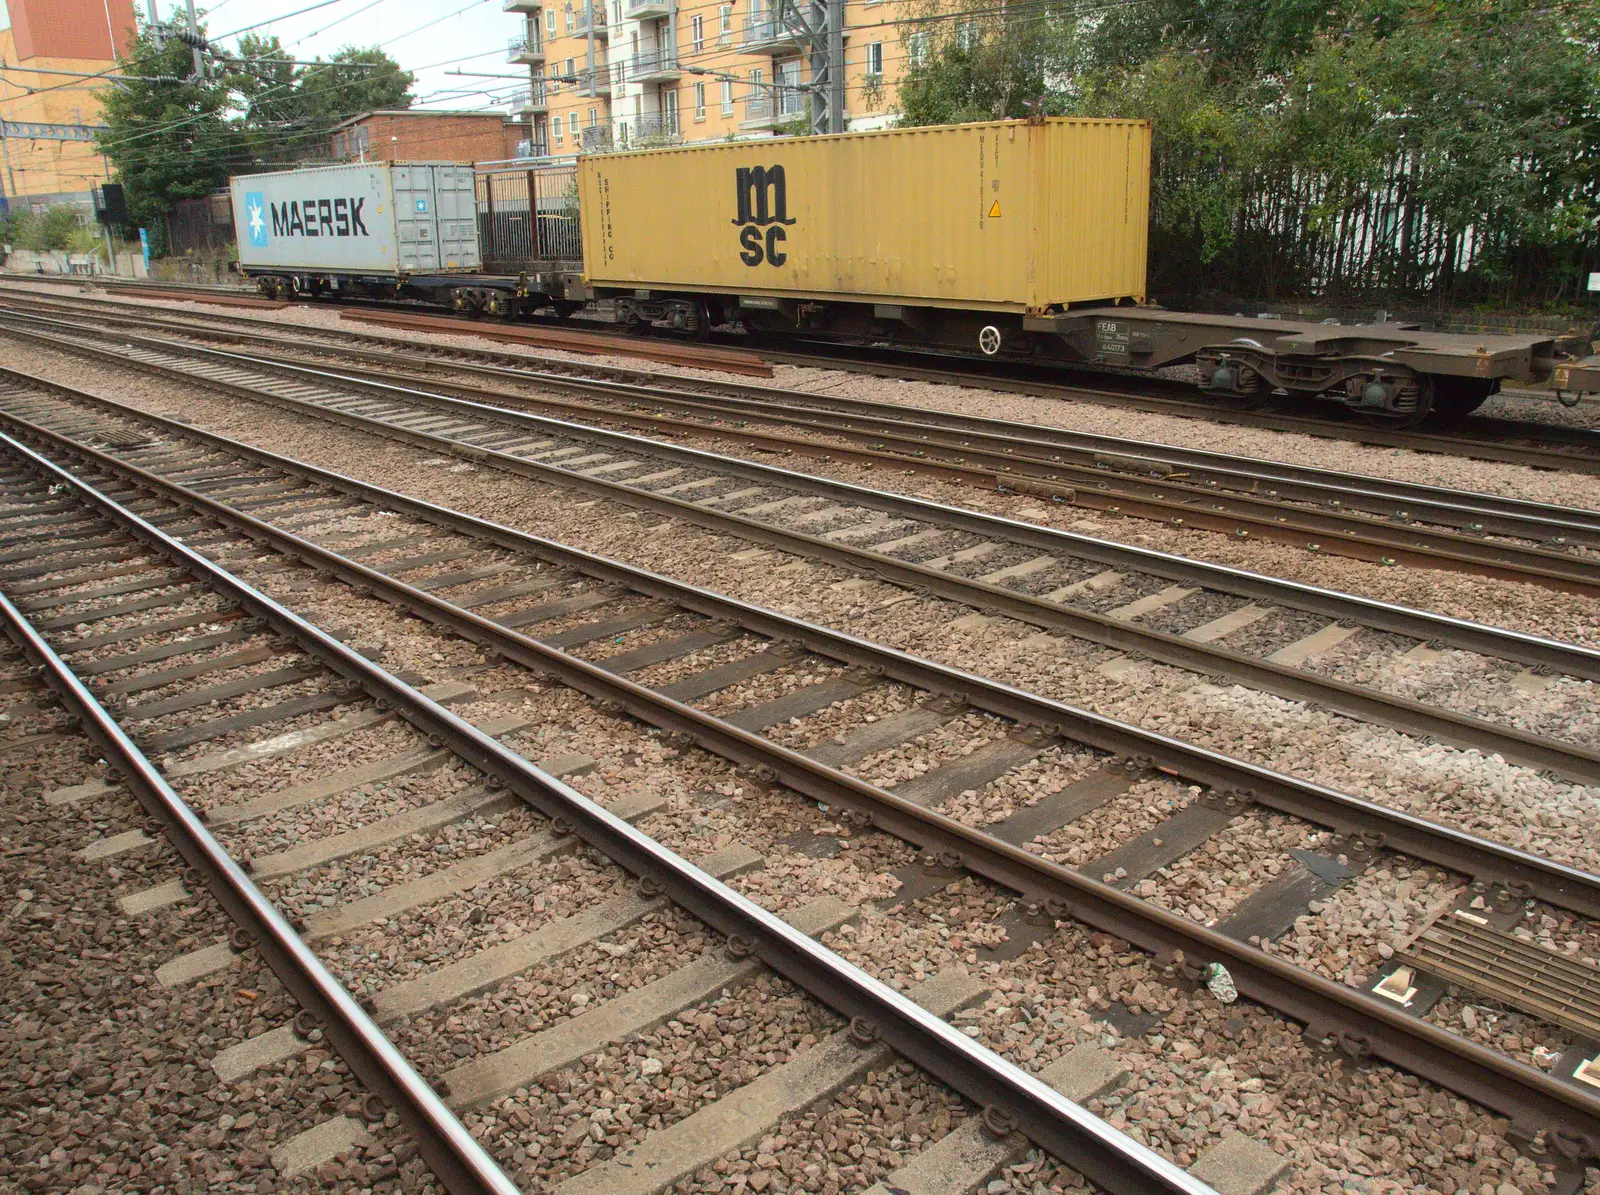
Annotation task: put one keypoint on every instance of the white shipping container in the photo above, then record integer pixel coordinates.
(362, 218)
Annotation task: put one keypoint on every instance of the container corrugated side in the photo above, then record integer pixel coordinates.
(361, 218)
(954, 216)
(1095, 181)
(337, 218)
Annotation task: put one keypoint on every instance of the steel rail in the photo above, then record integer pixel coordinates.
(460, 1163)
(1445, 444)
(1476, 512)
(1468, 854)
(1370, 705)
(1515, 646)
(1352, 1020)
(1084, 1141)
(1184, 503)
(1212, 474)
(986, 459)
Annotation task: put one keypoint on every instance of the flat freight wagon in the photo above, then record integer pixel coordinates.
(927, 227)
(365, 225)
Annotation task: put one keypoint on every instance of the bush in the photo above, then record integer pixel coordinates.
(61, 228)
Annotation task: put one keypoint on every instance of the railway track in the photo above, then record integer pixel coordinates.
(1318, 509)
(1165, 608)
(1539, 445)
(182, 606)
(226, 480)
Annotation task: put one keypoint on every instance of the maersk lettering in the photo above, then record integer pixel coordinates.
(319, 218)
(761, 201)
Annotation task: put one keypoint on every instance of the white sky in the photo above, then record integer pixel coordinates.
(472, 31)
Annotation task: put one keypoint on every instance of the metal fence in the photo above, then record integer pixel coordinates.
(201, 226)
(527, 215)
(1298, 235)
(779, 103)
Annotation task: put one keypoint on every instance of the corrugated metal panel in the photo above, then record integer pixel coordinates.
(371, 217)
(1095, 195)
(1003, 216)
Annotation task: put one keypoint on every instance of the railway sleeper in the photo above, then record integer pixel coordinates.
(949, 857)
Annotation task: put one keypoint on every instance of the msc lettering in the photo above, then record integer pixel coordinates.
(319, 218)
(762, 201)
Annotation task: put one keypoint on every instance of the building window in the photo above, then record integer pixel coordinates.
(697, 32)
(916, 49)
(875, 59)
(557, 123)
(591, 118)
(572, 69)
(966, 35)
(550, 21)
(616, 12)
(727, 97)
(725, 28)
(570, 21)
(699, 101)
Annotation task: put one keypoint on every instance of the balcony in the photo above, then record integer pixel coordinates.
(522, 6)
(599, 81)
(765, 32)
(654, 128)
(595, 13)
(656, 66)
(597, 140)
(639, 10)
(532, 149)
(771, 107)
(526, 50)
(531, 99)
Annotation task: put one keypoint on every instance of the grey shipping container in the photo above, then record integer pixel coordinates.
(389, 218)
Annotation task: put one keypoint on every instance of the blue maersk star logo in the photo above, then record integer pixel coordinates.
(255, 210)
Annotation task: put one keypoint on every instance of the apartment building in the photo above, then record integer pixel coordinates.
(54, 53)
(608, 74)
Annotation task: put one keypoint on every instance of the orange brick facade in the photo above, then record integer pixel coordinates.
(427, 137)
(97, 29)
(45, 43)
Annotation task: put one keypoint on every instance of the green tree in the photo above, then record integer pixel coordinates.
(264, 79)
(1396, 147)
(169, 139)
(60, 227)
(171, 136)
(350, 82)
(970, 66)
(289, 110)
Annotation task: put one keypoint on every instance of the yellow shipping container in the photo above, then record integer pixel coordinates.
(1007, 216)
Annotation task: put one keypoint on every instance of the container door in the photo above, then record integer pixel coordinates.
(455, 193)
(415, 218)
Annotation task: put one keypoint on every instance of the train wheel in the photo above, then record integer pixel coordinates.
(702, 321)
(1417, 409)
(1235, 386)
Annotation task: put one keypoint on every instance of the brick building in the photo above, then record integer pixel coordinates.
(415, 135)
(46, 155)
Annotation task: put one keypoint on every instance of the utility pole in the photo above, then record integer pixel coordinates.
(594, 79)
(824, 32)
(194, 33)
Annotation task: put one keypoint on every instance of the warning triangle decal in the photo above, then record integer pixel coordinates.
(994, 209)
